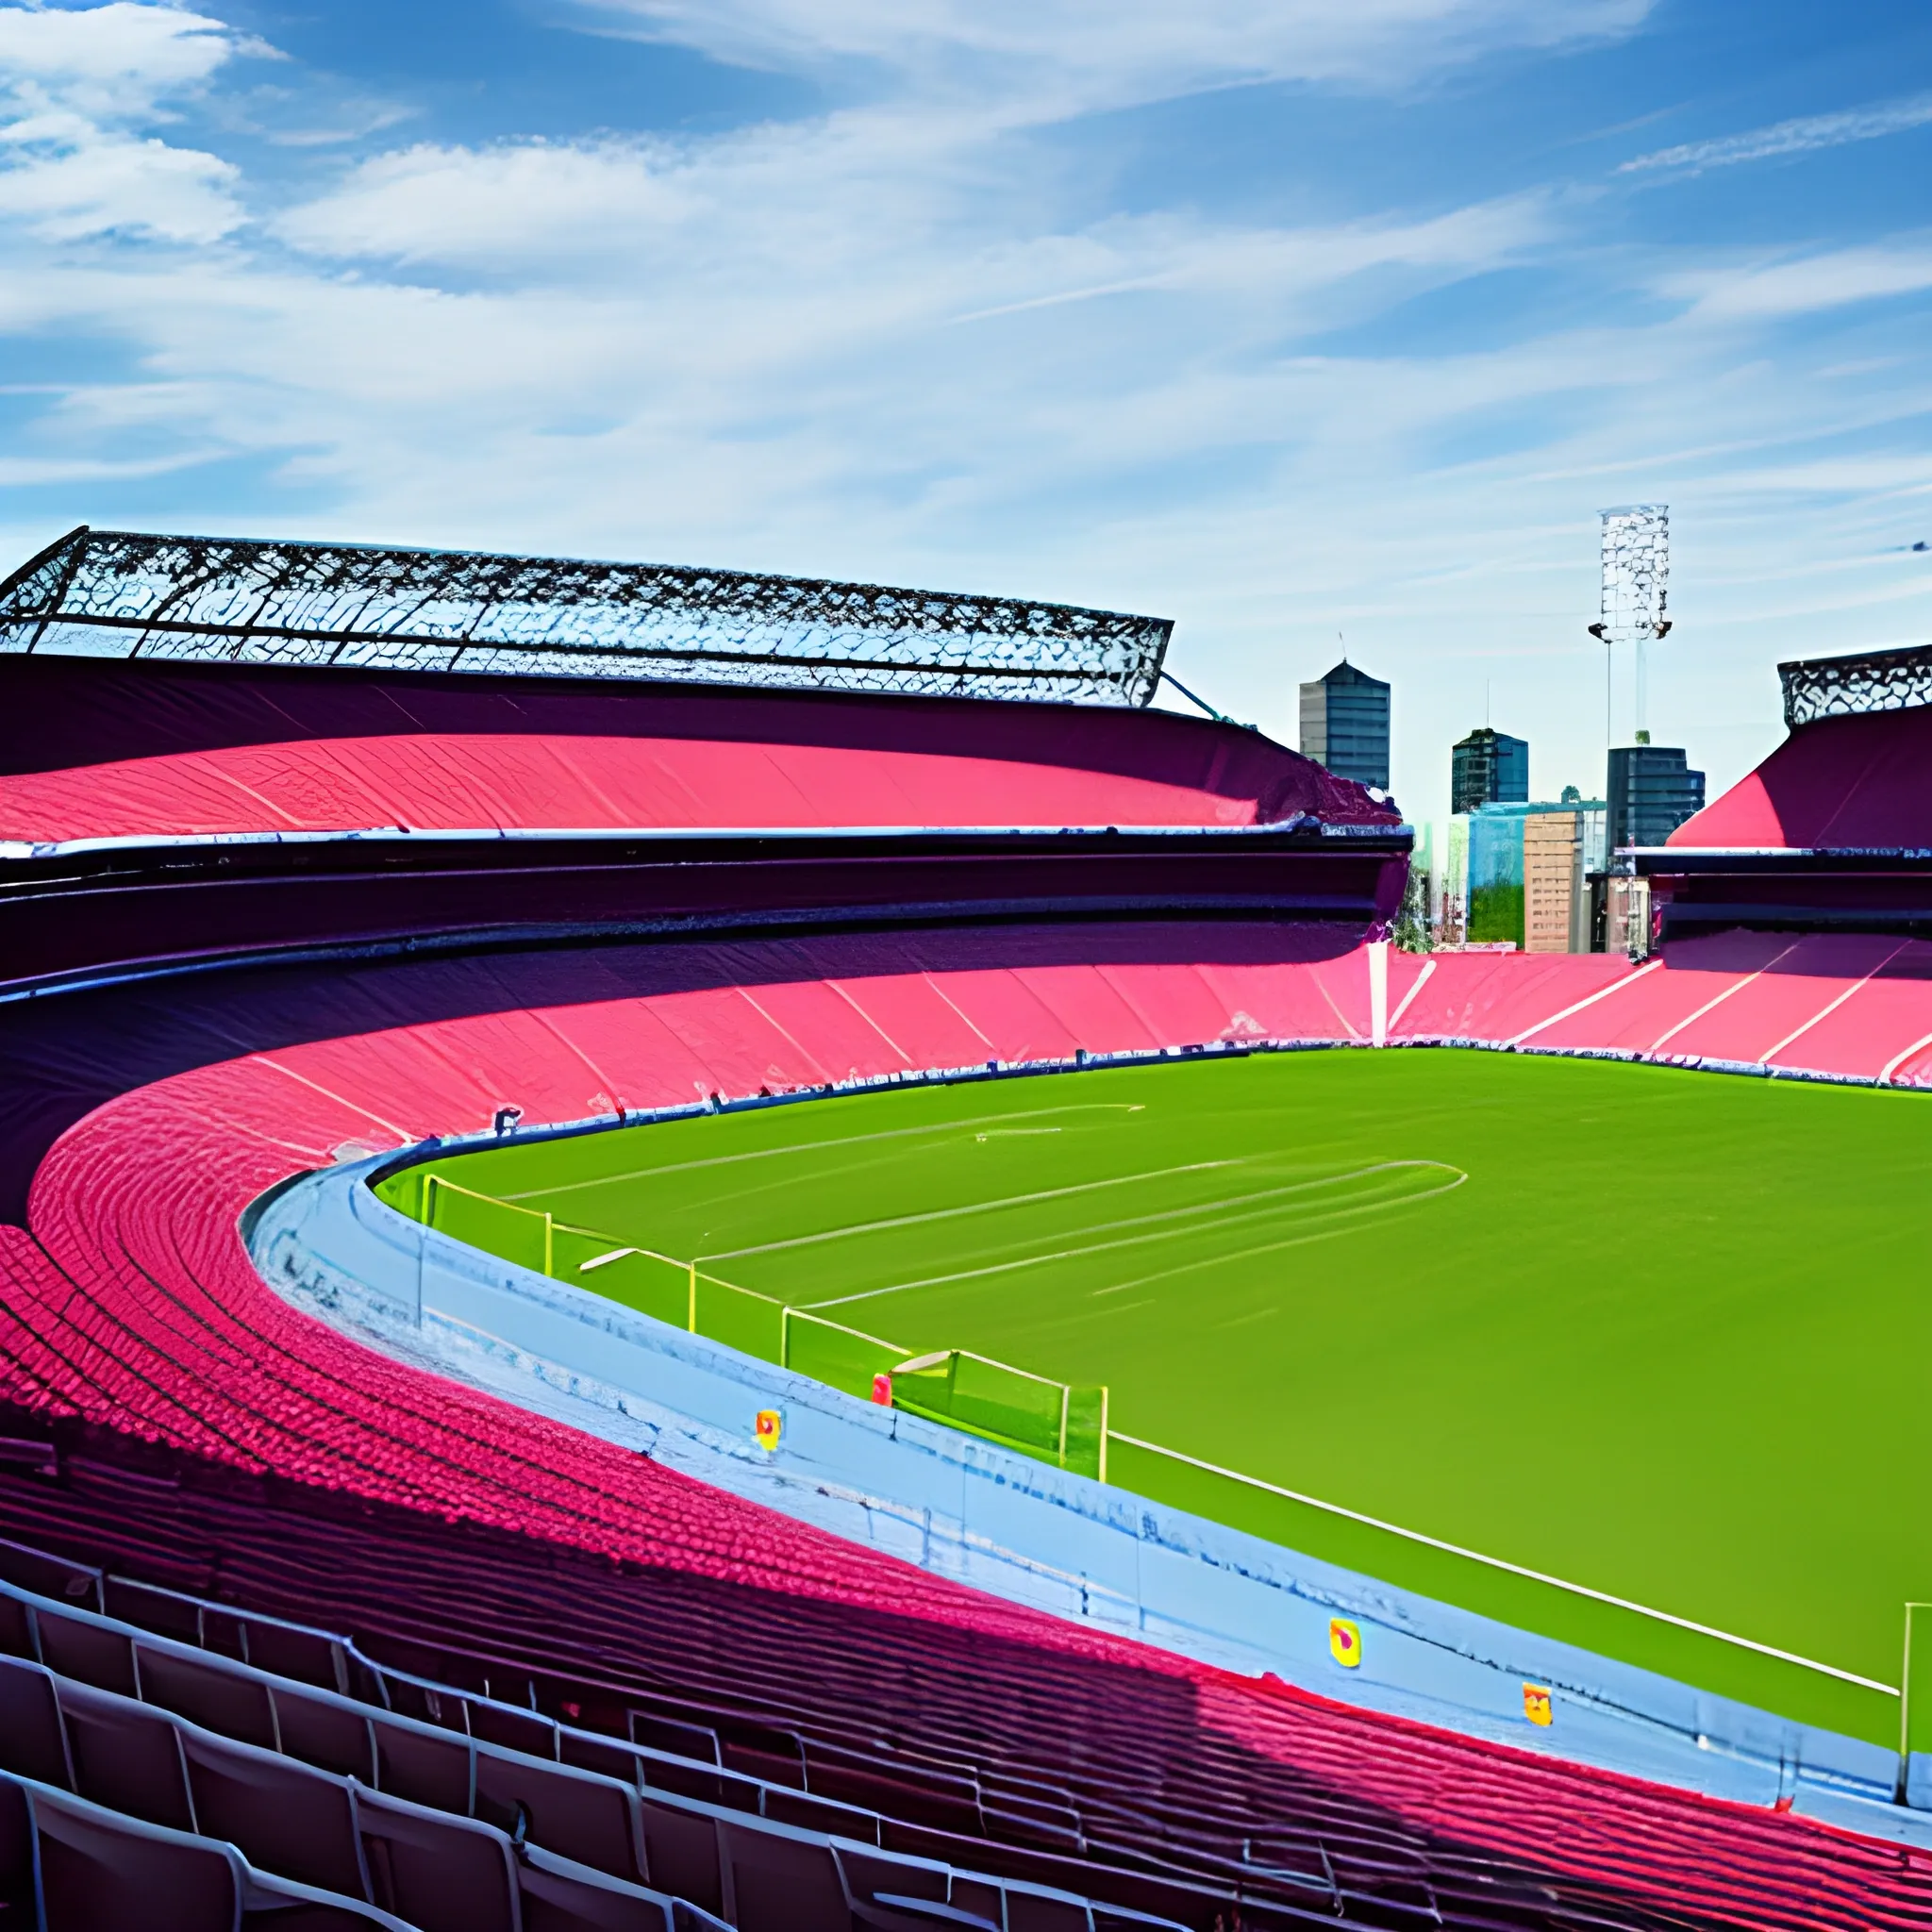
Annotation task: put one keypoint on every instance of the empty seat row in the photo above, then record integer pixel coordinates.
(1199, 1852)
(299, 1778)
(673, 1735)
(1319, 1844)
(944, 1823)
(947, 1796)
(753, 1766)
(431, 1870)
(67, 1865)
(1202, 1854)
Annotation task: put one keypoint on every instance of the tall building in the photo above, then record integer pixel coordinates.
(1345, 725)
(1488, 768)
(1561, 846)
(1518, 872)
(1652, 791)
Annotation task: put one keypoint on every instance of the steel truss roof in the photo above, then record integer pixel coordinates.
(117, 593)
(1867, 681)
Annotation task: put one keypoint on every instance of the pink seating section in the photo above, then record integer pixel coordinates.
(93, 751)
(1204, 1770)
(1845, 1005)
(132, 1302)
(441, 783)
(1857, 783)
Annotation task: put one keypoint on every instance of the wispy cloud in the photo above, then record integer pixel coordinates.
(1762, 291)
(1802, 135)
(1048, 57)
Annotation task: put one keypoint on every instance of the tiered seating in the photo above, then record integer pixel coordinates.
(1081, 1770)
(93, 750)
(1838, 784)
(770, 1725)
(137, 1305)
(1849, 1006)
(471, 1816)
(69, 1866)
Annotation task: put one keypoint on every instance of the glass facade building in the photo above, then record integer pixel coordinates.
(1488, 768)
(1519, 871)
(1345, 725)
(1652, 791)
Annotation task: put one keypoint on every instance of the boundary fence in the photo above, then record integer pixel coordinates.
(1060, 1422)
(1067, 1426)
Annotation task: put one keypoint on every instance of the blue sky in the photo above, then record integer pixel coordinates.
(1283, 318)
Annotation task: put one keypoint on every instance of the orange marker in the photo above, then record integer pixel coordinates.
(1536, 1705)
(1344, 1643)
(768, 1427)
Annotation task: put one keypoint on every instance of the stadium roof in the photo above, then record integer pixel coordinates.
(1818, 688)
(117, 593)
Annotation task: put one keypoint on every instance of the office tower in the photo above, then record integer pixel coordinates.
(1652, 791)
(1345, 725)
(1562, 846)
(1488, 768)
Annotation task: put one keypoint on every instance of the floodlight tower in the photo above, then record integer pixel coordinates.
(1636, 593)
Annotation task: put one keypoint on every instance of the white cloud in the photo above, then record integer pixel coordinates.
(106, 183)
(497, 207)
(1105, 52)
(79, 85)
(109, 62)
(1800, 136)
(1763, 291)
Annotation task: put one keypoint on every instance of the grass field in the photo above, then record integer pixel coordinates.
(1659, 1333)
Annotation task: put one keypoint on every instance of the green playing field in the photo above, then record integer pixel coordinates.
(1662, 1334)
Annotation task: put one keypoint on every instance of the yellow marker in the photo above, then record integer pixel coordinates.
(769, 1426)
(1536, 1704)
(1344, 1643)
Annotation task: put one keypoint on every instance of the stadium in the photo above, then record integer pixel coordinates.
(687, 1249)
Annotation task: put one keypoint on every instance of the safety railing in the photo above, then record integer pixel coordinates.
(1067, 1424)
(1716, 1660)
(1054, 1422)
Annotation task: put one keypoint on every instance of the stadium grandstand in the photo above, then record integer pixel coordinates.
(365, 1563)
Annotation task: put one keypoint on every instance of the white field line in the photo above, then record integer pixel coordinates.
(1074, 1254)
(1602, 992)
(1416, 1536)
(1315, 1222)
(840, 1233)
(1737, 987)
(1824, 1012)
(1898, 1059)
(1164, 1214)
(1421, 979)
(642, 1173)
